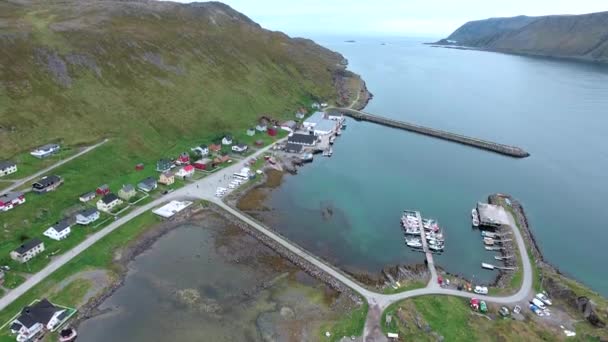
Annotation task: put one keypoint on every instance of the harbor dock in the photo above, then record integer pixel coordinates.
(507, 150)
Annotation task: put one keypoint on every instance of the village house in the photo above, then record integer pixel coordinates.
(215, 147)
(37, 318)
(201, 150)
(261, 127)
(239, 148)
(184, 172)
(28, 250)
(183, 159)
(148, 184)
(227, 140)
(87, 216)
(59, 231)
(335, 116)
(10, 200)
(127, 192)
(45, 151)
(108, 202)
(47, 184)
(251, 132)
(87, 196)
(167, 178)
(289, 126)
(103, 190)
(293, 148)
(302, 139)
(7, 167)
(202, 164)
(163, 165)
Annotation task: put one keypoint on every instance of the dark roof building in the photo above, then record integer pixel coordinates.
(29, 245)
(62, 225)
(40, 313)
(109, 198)
(88, 212)
(293, 148)
(302, 139)
(6, 164)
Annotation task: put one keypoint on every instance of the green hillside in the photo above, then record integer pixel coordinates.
(149, 73)
(582, 37)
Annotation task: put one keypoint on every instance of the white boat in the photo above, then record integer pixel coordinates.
(331, 140)
(436, 248)
(488, 241)
(412, 231)
(414, 243)
(475, 217)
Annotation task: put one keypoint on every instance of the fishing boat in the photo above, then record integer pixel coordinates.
(489, 234)
(414, 243)
(412, 231)
(475, 217)
(436, 247)
(488, 241)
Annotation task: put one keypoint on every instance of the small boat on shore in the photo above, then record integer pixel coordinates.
(67, 335)
(332, 140)
(328, 153)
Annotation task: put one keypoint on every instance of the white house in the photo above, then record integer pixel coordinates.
(87, 216)
(59, 231)
(261, 127)
(186, 171)
(336, 116)
(33, 319)
(227, 140)
(87, 196)
(108, 202)
(27, 251)
(239, 148)
(289, 126)
(203, 150)
(7, 167)
(45, 151)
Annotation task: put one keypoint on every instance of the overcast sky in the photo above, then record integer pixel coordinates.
(430, 18)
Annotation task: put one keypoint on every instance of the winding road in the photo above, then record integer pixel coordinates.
(205, 189)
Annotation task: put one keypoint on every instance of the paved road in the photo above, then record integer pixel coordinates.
(201, 189)
(20, 182)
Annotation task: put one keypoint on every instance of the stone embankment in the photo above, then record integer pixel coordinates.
(507, 150)
(309, 268)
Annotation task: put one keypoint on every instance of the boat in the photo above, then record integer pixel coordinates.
(338, 132)
(489, 234)
(487, 266)
(307, 158)
(436, 248)
(475, 217)
(488, 241)
(331, 140)
(414, 243)
(67, 335)
(412, 231)
(344, 124)
(328, 153)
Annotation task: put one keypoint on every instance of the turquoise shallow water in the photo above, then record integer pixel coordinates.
(557, 110)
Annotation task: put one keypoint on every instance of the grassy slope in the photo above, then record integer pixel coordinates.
(352, 324)
(154, 74)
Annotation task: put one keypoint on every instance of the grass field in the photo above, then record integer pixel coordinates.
(451, 318)
(351, 324)
(411, 285)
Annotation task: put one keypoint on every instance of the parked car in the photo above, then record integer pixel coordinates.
(538, 303)
(517, 309)
(536, 310)
(543, 298)
(481, 290)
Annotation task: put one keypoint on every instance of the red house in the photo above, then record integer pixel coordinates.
(183, 158)
(202, 164)
(215, 148)
(272, 131)
(103, 190)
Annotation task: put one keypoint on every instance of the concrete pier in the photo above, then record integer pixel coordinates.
(511, 151)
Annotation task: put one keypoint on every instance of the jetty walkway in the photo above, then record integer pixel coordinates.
(507, 150)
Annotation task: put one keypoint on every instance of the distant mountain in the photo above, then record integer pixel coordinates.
(78, 70)
(569, 36)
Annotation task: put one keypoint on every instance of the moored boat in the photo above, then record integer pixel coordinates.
(414, 243)
(475, 217)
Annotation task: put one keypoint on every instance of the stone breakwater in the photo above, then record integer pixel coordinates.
(508, 150)
(306, 266)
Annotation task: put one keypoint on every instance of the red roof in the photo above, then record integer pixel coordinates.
(188, 168)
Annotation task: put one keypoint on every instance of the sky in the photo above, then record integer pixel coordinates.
(421, 18)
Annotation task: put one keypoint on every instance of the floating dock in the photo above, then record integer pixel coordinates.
(507, 150)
